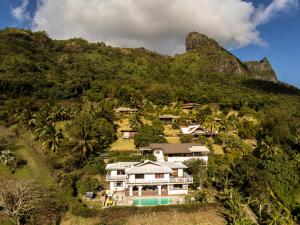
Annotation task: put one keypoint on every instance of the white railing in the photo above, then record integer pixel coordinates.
(116, 177)
(171, 180)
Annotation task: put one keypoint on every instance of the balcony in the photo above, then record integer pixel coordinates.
(116, 178)
(171, 180)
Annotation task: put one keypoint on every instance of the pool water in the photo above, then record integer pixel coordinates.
(152, 201)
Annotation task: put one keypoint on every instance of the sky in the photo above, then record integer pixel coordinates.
(250, 29)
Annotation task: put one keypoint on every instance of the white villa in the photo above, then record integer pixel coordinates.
(177, 152)
(148, 178)
(194, 129)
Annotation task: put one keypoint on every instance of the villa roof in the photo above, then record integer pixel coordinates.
(148, 167)
(169, 117)
(125, 109)
(120, 165)
(179, 148)
(173, 165)
(190, 129)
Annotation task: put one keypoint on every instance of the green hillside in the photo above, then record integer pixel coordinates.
(59, 129)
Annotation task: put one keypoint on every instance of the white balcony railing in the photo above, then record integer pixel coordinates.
(116, 177)
(171, 180)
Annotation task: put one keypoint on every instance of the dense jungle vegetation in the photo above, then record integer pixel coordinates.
(58, 97)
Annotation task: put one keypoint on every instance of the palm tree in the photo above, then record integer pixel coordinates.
(267, 148)
(51, 137)
(211, 123)
(135, 121)
(83, 141)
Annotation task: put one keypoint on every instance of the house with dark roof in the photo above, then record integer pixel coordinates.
(128, 134)
(148, 178)
(125, 110)
(167, 119)
(178, 152)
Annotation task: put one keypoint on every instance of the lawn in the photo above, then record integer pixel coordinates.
(123, 145)
(70, 219)
(207, 217)
(297, 195)
(173, 140)
(218, 150)
(169, 131)
(35, 167)
(35, 164)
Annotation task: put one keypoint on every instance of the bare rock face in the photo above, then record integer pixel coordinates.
(262, 70)
(215, 59)
(195, 40)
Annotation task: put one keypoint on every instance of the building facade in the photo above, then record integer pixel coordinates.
(148, 177)
(179, 152)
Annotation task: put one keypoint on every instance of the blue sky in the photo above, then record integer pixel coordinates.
(280, 32)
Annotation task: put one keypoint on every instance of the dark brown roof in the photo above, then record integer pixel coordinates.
(174, 148)
(132, 131)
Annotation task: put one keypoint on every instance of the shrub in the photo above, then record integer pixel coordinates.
(88, 184)
(79, 209)
(186, 138)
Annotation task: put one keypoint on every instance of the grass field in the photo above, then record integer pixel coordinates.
(34, 169)
(218, 150)
(123, 145)
(70, 219)
(209, 217)
(169, 131)
(297, 195)
(173, 140)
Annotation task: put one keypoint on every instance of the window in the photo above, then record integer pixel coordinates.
(159, 176)
(177, 186)
(118, 184)
(175, 173)
(120, 172)
(139, 176)
(157, 152)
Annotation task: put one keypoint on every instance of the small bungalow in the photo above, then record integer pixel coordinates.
(194, 129)
(125, 110)
(166, 119)
(128, 134)
(177, 152)
(189, 106)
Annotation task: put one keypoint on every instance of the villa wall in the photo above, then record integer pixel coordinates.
(148, 177)
(182, 159)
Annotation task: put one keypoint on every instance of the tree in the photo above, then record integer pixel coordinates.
(21, 200)
(267, 148)
(135, 121)
(149, 134)
(211, 123)
(81, 134)
(198, 169)
(51, 137)
(186, 138)
(202, 114)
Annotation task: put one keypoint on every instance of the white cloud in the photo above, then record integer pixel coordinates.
(264, 13)
(156, 24)
(20, 12)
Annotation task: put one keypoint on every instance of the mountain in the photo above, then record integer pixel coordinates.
(224, 61)
(32, 64)
(262, 70)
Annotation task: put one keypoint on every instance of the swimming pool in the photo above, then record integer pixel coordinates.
(152, 201)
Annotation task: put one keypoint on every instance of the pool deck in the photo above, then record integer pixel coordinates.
(123, 200)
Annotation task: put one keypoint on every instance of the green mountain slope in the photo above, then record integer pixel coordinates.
(31, 64)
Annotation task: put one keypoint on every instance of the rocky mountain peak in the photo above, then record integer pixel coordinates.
(262, 70)
(195, 40)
